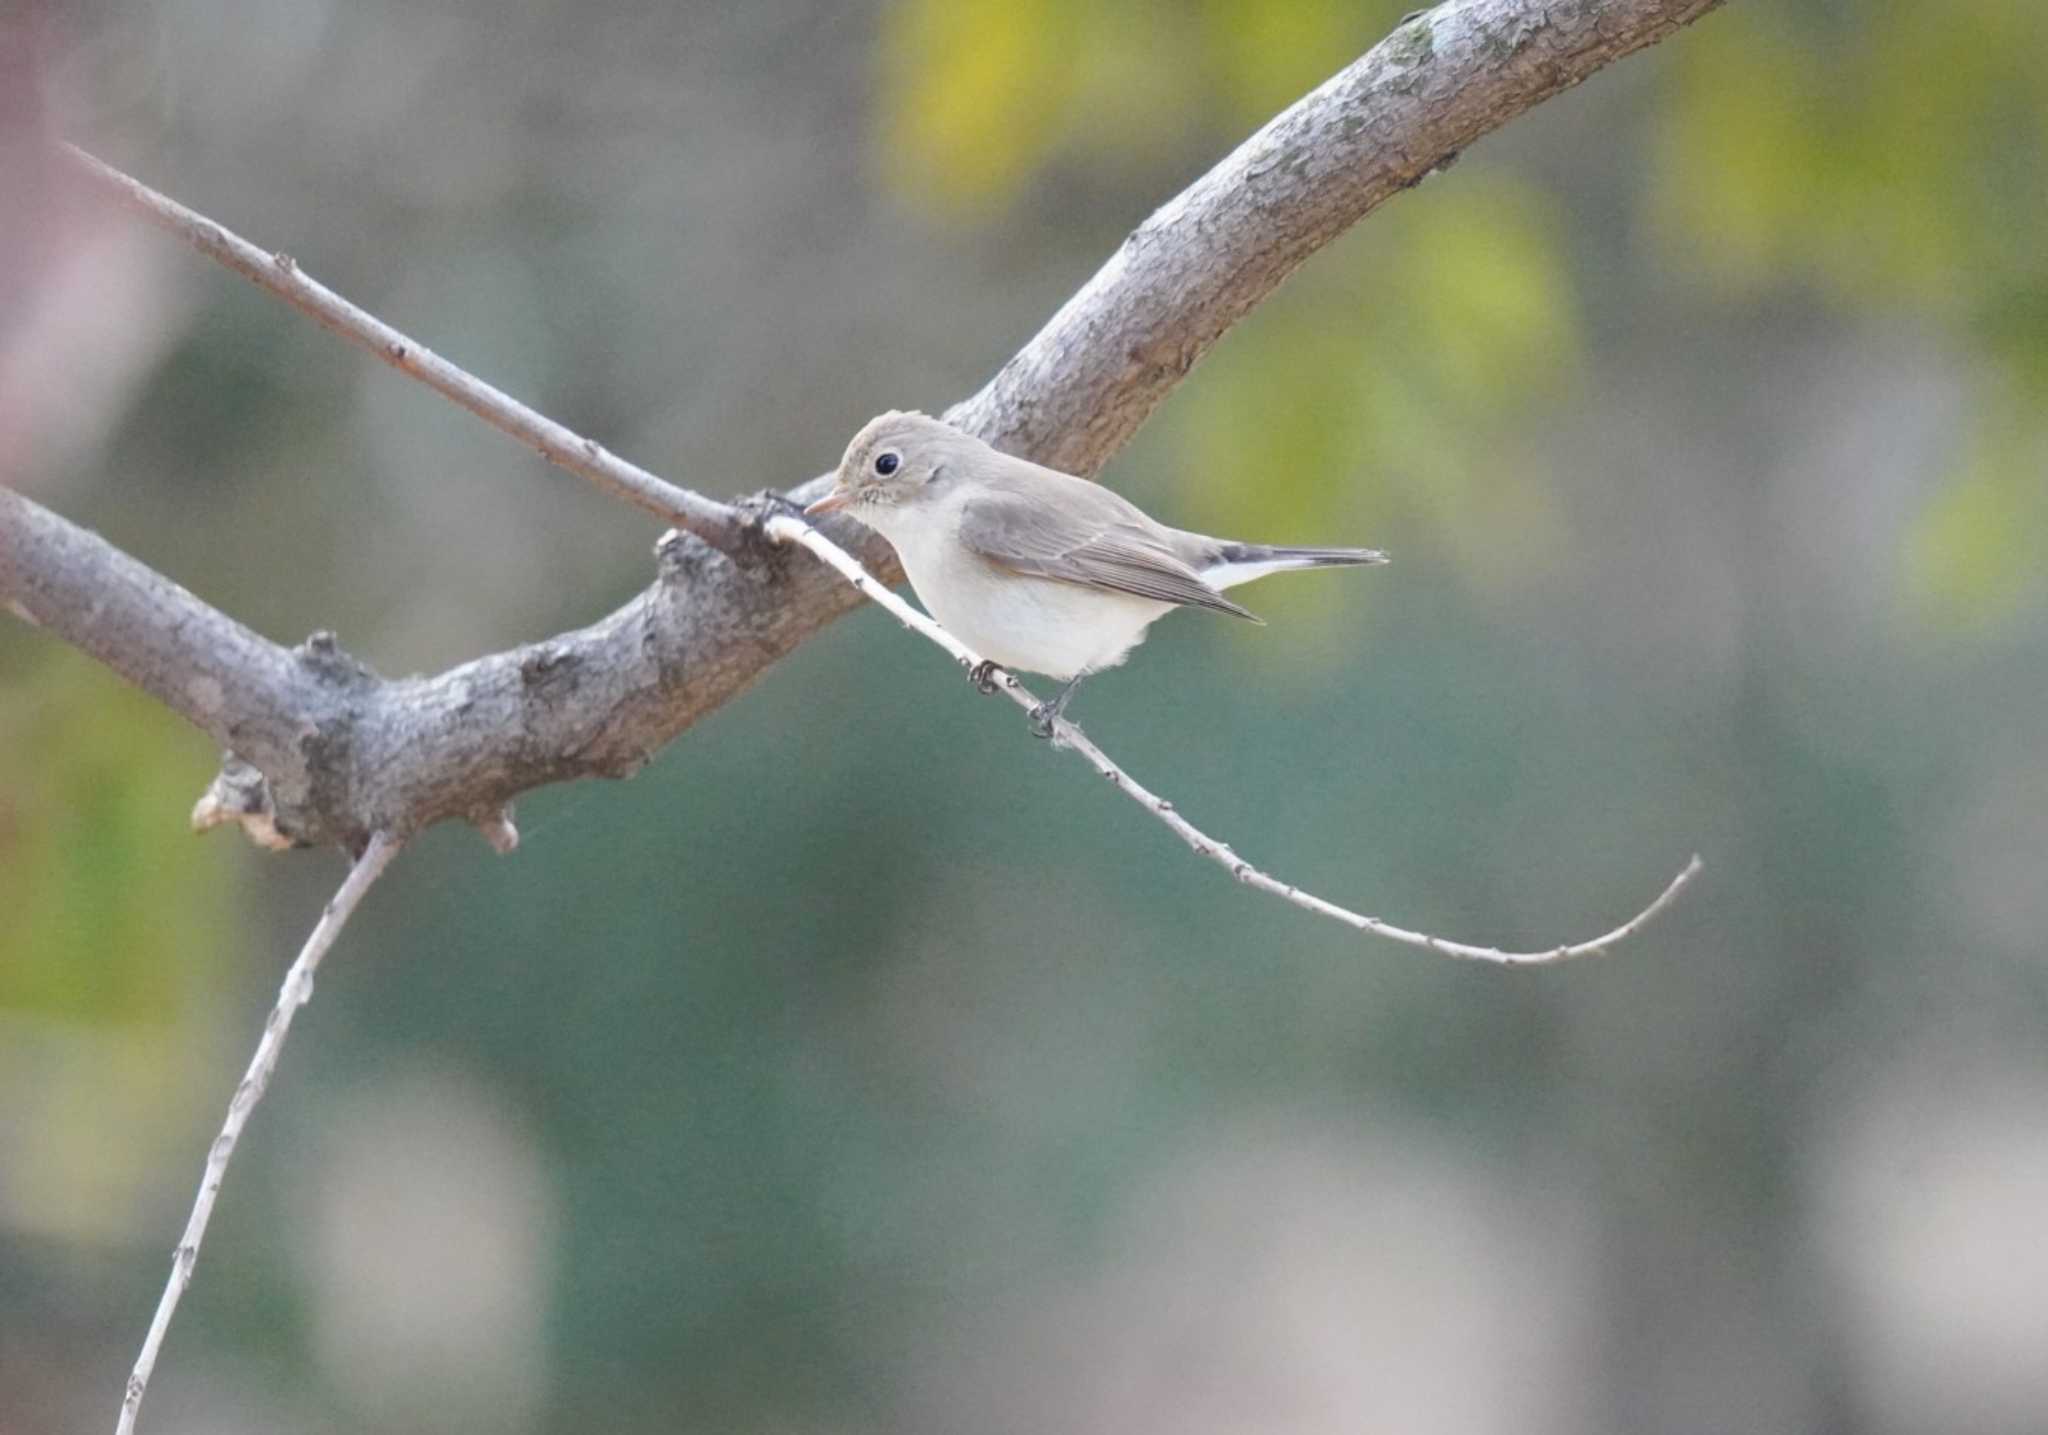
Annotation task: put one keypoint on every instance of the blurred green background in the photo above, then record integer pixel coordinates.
(862, 1066)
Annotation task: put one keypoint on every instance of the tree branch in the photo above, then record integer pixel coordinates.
(784, 529)
(1444, 78)
(295, 993)
(719, 524)
(323, 749)
(376, 754)
(240, 688)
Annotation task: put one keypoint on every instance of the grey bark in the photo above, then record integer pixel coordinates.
(343, 752)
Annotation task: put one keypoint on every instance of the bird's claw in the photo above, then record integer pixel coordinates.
(1042, 718)
(983, 676)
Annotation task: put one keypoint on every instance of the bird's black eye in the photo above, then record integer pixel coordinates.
(887, 462)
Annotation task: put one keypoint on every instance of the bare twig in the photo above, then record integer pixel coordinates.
(784, 529)
(295, 993)
(718, 524)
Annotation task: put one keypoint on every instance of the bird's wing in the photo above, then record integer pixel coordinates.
(1039, 540)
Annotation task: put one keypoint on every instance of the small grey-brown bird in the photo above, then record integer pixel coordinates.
(1033, 568)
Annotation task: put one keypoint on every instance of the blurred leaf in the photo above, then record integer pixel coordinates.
(1385, 373)
(1974, 556)
(981, 95)
(1482, 276)
(1896, 157)
(1267, 55)
(1137, 90)
(110, 903)
(1893, 160)
(2012, 323)
(974, 92)
(120, 932)
(1735, 151)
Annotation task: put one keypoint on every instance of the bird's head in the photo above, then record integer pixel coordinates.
(891, 461)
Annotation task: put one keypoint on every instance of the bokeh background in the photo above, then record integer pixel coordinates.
(862, 1066)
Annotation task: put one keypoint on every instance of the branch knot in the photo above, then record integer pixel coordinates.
(323, 656)
(758, 554)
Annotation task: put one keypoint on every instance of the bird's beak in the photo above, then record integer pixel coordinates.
(832, 502)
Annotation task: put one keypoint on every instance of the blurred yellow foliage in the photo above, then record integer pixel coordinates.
(113, 913)
(974, 92)
(1884, 157)
(1855, 155)
(1266, 56)
(1889, 157)
(1479, 277)
(1378, 376)
(120, 930)
(1975, 556)
(979, 96)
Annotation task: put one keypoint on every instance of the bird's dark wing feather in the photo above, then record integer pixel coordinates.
(1037, 541)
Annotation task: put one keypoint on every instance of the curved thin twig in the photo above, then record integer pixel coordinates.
(784, 529)
(295, 993)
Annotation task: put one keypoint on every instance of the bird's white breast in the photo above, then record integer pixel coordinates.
(1036, 624)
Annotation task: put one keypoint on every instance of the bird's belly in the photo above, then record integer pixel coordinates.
(1059, 629)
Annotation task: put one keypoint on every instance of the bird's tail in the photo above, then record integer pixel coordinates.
(1242, 562)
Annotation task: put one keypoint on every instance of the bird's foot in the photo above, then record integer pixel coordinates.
(983, 676)
(1048, 713)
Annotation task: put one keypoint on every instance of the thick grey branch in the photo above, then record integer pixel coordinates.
(241, 688)
(344, 752)
(397, 755)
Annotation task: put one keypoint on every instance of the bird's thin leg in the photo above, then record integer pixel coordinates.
(983, 676)
(1045, 714)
